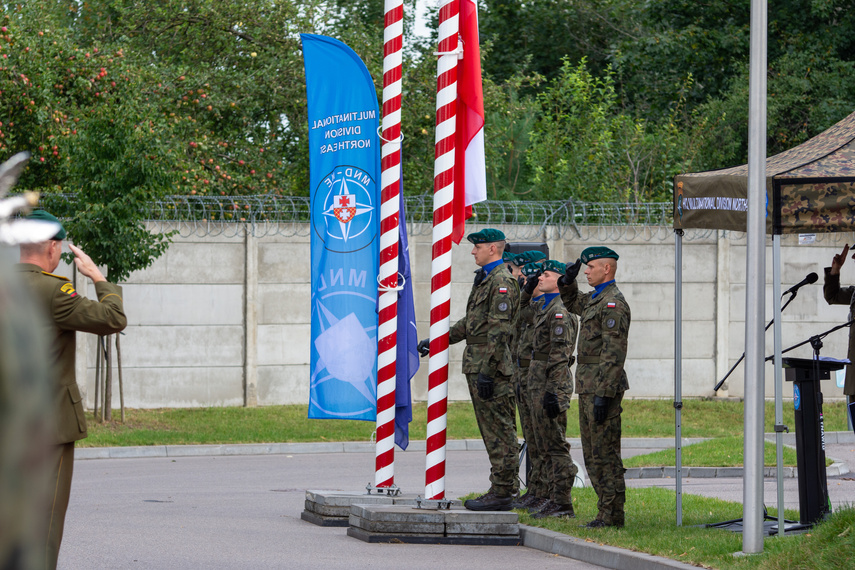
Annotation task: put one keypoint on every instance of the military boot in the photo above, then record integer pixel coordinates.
(553, 509)
(524, 501)
(490, 502)
(538, 504)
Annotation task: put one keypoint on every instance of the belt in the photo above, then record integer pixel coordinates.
(541, 356)
(476, 340)
(588, 359)
(523, 362)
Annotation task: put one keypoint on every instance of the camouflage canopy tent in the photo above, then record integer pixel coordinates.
(809, 189)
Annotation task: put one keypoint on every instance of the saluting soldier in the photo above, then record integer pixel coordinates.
(836, 295)
(525, 268)
(600, 377)
(488, 328)
(66, 312)
(550, 386)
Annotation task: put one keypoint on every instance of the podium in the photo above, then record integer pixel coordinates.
(806, 375)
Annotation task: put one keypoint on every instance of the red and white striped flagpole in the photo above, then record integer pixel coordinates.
(440, 284)
(390, 182)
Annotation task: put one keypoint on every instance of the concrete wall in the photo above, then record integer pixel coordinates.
(223, 320)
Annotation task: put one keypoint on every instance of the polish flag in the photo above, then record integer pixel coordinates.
(470, 175)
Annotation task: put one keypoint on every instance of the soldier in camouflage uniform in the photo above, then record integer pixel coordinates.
(600, 377)
(524, 266)
(488, 329)
(550, 386)
(64, 313)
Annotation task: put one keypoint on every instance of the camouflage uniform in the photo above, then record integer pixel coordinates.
(488, 329)
(536, 483)
(551, 357)
(67, 312)
(836, 295)
(603, 332)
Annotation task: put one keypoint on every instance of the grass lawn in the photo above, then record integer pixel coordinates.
(651, 527)
(271, 424)
(719, 452)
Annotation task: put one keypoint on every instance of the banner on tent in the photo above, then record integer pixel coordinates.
(344, 162)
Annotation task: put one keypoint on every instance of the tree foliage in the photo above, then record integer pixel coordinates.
(584, 100)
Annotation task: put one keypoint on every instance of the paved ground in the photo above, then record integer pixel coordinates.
(244, 511)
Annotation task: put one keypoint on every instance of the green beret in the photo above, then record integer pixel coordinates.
(44, 216)
(597, 253)
(508, 257)
(532, 268)
(525, 257)
(552, 265)
(487, 235)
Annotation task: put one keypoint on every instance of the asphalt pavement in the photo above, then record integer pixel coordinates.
(226, 507)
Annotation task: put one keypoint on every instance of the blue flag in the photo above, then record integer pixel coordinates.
(344, 164)
(407, 355)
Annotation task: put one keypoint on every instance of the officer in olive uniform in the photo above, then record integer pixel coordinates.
(523, 265)
(600, 377)
(66, 312)
(836, 295)
(488, 329)
(550, 386)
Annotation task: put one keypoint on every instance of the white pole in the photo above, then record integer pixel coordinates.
(755, 273)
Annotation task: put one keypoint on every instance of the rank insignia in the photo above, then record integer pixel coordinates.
(68, 289)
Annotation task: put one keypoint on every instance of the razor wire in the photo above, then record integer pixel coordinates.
(290, 216)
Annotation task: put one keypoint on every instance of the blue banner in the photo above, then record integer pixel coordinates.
(407, 340)
(344, 162)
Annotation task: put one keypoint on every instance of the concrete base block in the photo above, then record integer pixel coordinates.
(321, 520)
(401, 523)
(325, 506)
(469, 540)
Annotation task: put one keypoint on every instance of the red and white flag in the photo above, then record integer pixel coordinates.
(470, 176)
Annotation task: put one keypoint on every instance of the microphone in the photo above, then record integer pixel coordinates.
(811, 278)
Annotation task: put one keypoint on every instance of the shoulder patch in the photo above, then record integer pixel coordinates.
(559, 315)
(611, 305)
(503, 289)
(610, 323)
(558, 331)
(68, 289)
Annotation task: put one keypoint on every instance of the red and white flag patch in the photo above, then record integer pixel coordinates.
(559, 315)
(611, 305)
(503, 289)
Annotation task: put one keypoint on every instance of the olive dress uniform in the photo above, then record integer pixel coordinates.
(601, 353)
(488, 328)
(555, 332)
(836, 295)
(68, 312)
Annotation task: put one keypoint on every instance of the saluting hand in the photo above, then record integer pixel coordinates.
(85, 264)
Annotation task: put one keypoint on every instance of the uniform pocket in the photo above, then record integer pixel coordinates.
(77, 403)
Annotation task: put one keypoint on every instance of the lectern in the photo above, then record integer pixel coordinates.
(806, 375)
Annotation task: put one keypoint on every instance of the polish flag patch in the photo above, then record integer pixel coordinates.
(559, 315)
(503, 289)
(611, 305)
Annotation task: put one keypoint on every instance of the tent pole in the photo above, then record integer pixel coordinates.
(779, 404)
(678, 370)
(755, 281)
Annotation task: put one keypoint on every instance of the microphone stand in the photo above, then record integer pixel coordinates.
(741, 358)
(815, 341)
